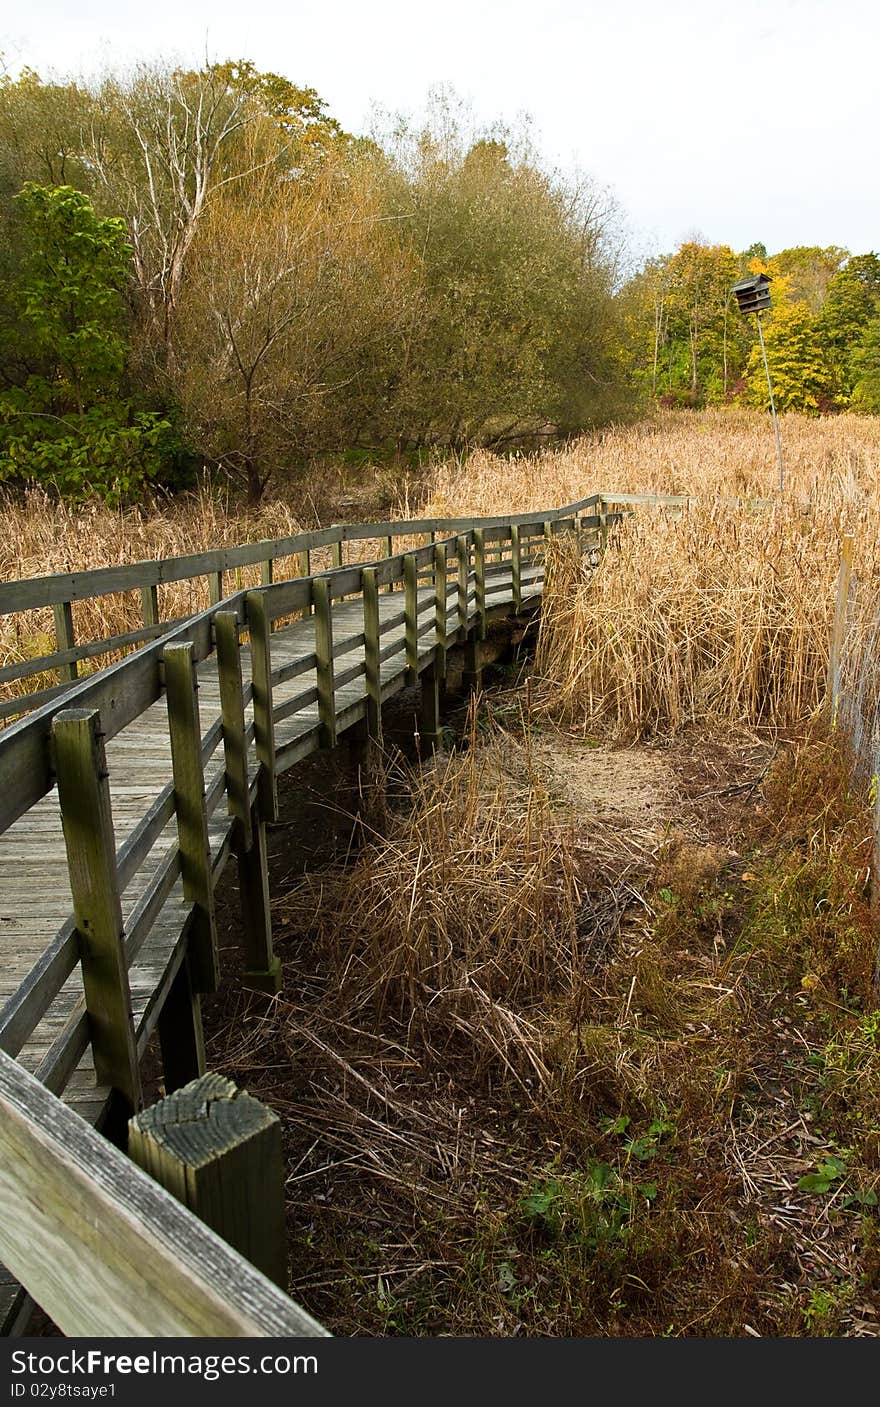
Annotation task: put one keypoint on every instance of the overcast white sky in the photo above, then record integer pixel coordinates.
(743, 121)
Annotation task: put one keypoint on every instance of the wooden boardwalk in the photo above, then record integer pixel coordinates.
(36, 900)
(122, 796)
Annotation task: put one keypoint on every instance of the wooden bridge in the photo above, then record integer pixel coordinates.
(122, 797)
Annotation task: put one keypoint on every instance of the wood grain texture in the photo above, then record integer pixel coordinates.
(78, 1213)
(218, 1151)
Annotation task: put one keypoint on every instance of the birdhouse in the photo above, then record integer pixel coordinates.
(753, 293)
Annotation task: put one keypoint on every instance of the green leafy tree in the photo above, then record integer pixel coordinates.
(66, 422)
(865, 371)
(798, 369)
(853, 302)
(513, 324)
(690, 340)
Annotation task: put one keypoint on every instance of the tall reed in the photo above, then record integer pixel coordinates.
(713, 615)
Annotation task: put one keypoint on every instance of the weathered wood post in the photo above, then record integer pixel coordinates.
(480, 576)
(262, 967)
(839, 628)
(389, 552)
(86, 816)
(603, 525)
(516, 568)
(372, 667)
(260, 631)
(218, 1151)
(62, 612)
(181, 1039)
(150, 605)
(411, 616)
(324, 669)
(192, 815)
(463, 552)
(441, 607)
(429, 722)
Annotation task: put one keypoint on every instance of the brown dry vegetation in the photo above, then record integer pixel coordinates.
(832, 464)
(726, 453)
(549, 1068)
(540, 1073)
(40, 534)
(713, 615)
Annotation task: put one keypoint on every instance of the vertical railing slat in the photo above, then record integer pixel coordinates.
(192, 815)
(321, 601)
(370, 587)
(87, 819)
(64, 638)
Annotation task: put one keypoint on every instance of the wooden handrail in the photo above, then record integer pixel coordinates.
(77, 1212)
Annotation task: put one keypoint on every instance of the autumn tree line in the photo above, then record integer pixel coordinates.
(688, 345)
(200, 267)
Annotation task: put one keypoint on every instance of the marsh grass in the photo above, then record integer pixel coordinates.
(711, 616)
(500, 1118)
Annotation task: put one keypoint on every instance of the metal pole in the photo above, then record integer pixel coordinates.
(772, 403)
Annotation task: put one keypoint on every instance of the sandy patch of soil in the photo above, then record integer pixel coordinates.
(635, 784)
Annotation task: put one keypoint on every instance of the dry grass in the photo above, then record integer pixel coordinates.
(723, 453)
(833, 464)
(711, 616)
(463, 913)
(503, 1116)
(41, 535)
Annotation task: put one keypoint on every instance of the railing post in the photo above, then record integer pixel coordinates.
(516, 568)
(218, 1151)
(87, 819)
(440, 608)
(232, 712)
(463, 548)
(336, 553)
(370, 587)
(215, 588)
(150, 605)
(480, 572)
(324, 656)
(64, 637)
(304, 568)
(259, 629)
(262, 967)
(411, 615)
(192, 816)
(267, 572)
(389, 552)
(430, 705)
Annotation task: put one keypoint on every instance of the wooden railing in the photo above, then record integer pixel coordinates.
(60, 591)
(445, 588)
(104, 1249)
